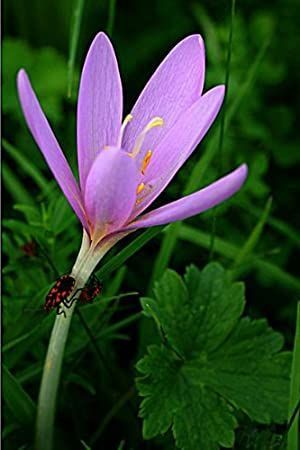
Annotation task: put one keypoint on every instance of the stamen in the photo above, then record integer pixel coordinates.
(146, 161)
(140, 188)
(126, 121)
(146, 188)
(155, 122)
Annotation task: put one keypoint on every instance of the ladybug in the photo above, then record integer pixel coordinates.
(59, 294)
(90, 291)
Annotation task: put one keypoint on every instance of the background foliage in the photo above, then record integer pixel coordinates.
(255, 238)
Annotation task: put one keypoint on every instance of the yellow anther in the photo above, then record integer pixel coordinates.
(140, 188)
(146, 161)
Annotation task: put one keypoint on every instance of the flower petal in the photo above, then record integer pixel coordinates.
(178, 144)
(195, 203)
(110, 191)
(174, 87)
(45, 139)
(99, 111)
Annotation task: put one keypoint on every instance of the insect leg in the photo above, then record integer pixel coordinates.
(69, 303)
(60, 311)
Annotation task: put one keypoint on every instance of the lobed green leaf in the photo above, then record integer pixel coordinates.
(212, 363)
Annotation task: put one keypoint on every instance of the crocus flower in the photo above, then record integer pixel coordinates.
(123, 167)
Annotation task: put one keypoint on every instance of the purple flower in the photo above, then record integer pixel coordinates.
(123, 167)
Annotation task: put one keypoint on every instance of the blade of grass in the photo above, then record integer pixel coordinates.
(29, 373)
(230, 251)
(274, 222)
(17, 399)
(116, 282)
(85, 446)
(251, 242)
(7, 430)
(277, 274)
(120, 258)
(105, 299)
(35, 333)
(222, 124)
(93, 341)
(111, 16)
(121, 445)
(251, 75)
(15, 187)
(293, 434)
(75, 30)
(209, 31)
(124, 398)
(26, 165)
(164, 255)
(226, 82)
(121, 324)
(17, 227)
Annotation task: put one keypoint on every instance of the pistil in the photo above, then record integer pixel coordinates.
(155, 122)
(126, 121)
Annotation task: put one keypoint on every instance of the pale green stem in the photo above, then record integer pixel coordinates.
(86, 261)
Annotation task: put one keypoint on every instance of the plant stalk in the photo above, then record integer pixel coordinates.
(87, 259)
(50, 380)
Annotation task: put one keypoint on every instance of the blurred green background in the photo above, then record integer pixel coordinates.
(261, 119)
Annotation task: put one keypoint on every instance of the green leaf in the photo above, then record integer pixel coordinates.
(252, 240)
(173, 399)
(16, 399)
(111, 16)
(213, 362)
(75, 30)
(15, 187)
(23, 162)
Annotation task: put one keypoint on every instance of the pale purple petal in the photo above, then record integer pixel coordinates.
(178, 144)
(99, 112)
(174, 87)
(195, 203)
(45, 139)
(110, 191)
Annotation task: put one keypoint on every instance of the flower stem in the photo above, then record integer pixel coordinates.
(50, 380)
(87, 260)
